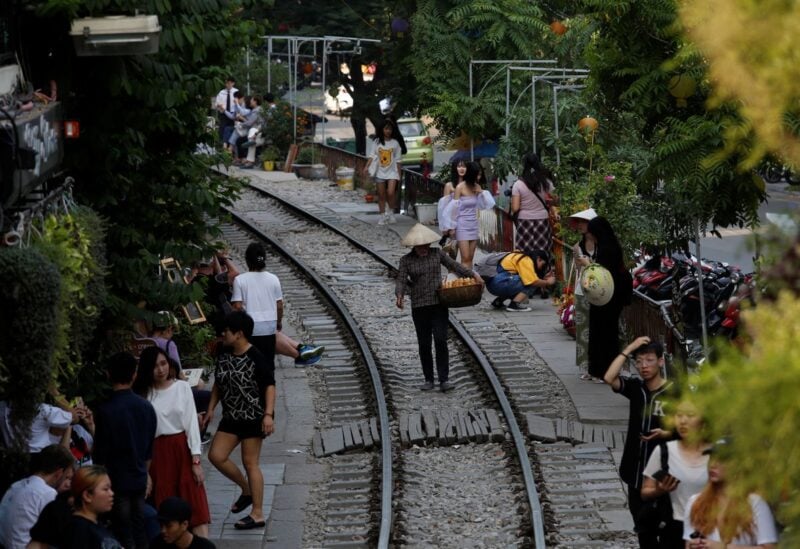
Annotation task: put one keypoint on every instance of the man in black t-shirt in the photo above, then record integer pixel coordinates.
(645, 428)
(174, 514)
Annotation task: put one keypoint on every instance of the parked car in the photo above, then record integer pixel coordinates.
(418, 142)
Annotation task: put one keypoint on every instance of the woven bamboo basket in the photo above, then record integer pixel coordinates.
(461, 296)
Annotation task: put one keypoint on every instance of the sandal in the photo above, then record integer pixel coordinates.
(586, 377)
(248, 523)
(242, 503)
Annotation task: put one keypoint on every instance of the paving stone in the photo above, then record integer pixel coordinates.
(348, 437)
(374, 431)
(429, 423)
(332, 441)
(402, 428)
(355, 433)
(495, 427)
(540, 428)
(415, 433)
(366, 434)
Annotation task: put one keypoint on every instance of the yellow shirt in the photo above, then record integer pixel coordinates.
(521, 264)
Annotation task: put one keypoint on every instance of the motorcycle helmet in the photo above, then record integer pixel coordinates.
(597, 284)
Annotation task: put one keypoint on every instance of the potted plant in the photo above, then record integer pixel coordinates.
(269, 156)
(305, 166)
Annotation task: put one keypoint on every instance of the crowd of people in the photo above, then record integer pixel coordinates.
(129, 471)
(240, 119)
(674, 476)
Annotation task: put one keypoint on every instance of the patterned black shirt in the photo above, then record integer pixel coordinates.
(242, 381)
(422, 276)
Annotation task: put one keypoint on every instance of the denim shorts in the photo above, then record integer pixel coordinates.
(507, 285)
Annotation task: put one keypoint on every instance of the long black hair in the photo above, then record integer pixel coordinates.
(454, 171)
(607, 248)
(144, 375)
(534, 174)
(395, 130)
(255, 256)
(473, 176)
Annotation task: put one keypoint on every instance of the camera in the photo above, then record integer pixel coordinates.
(507, 192)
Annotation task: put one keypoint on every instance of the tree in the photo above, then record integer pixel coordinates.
(749, 394)
(142, 118)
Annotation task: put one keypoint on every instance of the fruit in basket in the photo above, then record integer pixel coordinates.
(458, 283)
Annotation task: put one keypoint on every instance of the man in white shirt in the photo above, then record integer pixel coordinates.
(39, 435)
(24, 501)
(226, 103)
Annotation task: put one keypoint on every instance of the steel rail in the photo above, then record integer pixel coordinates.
(537, 517)
(383, 414)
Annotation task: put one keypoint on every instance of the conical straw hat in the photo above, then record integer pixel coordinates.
(587, 215)
(419, 235)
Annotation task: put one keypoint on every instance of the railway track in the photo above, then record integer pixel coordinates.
(437, 500)
(454, 466)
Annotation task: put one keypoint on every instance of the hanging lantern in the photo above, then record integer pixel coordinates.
(399, 27)
(558, 28)
(371, 68)
(283, 27)
(587, 124)
(308, 68)
(681, 87)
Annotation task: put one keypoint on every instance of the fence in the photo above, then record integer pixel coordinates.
(496, 233)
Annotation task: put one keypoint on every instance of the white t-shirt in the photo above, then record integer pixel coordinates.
(20, 509)
(692, 477)
(48, 416)
(259, 292)
(387, 156)
(176, 413)
(764, 530)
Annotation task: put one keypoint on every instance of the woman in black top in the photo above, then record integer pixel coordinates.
(91, 488)
(604, 320)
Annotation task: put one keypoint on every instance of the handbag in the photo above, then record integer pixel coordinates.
(656, 513)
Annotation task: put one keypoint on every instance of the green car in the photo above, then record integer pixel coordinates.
(418, 142)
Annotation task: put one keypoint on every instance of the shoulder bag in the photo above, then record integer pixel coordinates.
(656, 513)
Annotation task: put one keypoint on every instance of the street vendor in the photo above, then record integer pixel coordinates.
(420, 275)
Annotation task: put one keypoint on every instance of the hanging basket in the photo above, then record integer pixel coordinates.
(461, 296)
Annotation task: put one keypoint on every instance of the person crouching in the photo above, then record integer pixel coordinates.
(420, 275)
(518, 274)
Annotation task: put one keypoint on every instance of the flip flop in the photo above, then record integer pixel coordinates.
(247, 523)
(586, 377)
(242, 503)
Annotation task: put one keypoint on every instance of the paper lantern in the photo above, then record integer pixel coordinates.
(558, 28)
(308, 68)
(681, 87)
(588, 124)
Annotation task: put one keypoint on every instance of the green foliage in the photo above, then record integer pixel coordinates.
(751, 397)
(612, 192)
(305, 156)
(74, 243)
(30, 290)
(192, 341)
(279, 126)
(142, 118)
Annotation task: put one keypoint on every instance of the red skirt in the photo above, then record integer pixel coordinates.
(171, 471)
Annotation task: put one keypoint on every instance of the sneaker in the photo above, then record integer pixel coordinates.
(427, 386)
(498, 303)
(206, 438)
(310, 362)
(309, 351)
(445, 386)
(382, 220)
(516, 307)
(248, 144)
(390, 219)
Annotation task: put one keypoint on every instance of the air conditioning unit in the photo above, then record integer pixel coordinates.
(116, 35)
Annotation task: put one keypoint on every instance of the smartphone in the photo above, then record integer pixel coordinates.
(696, 535)
(660, 475)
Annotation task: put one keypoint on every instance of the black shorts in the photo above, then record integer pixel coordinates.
(242, 428)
